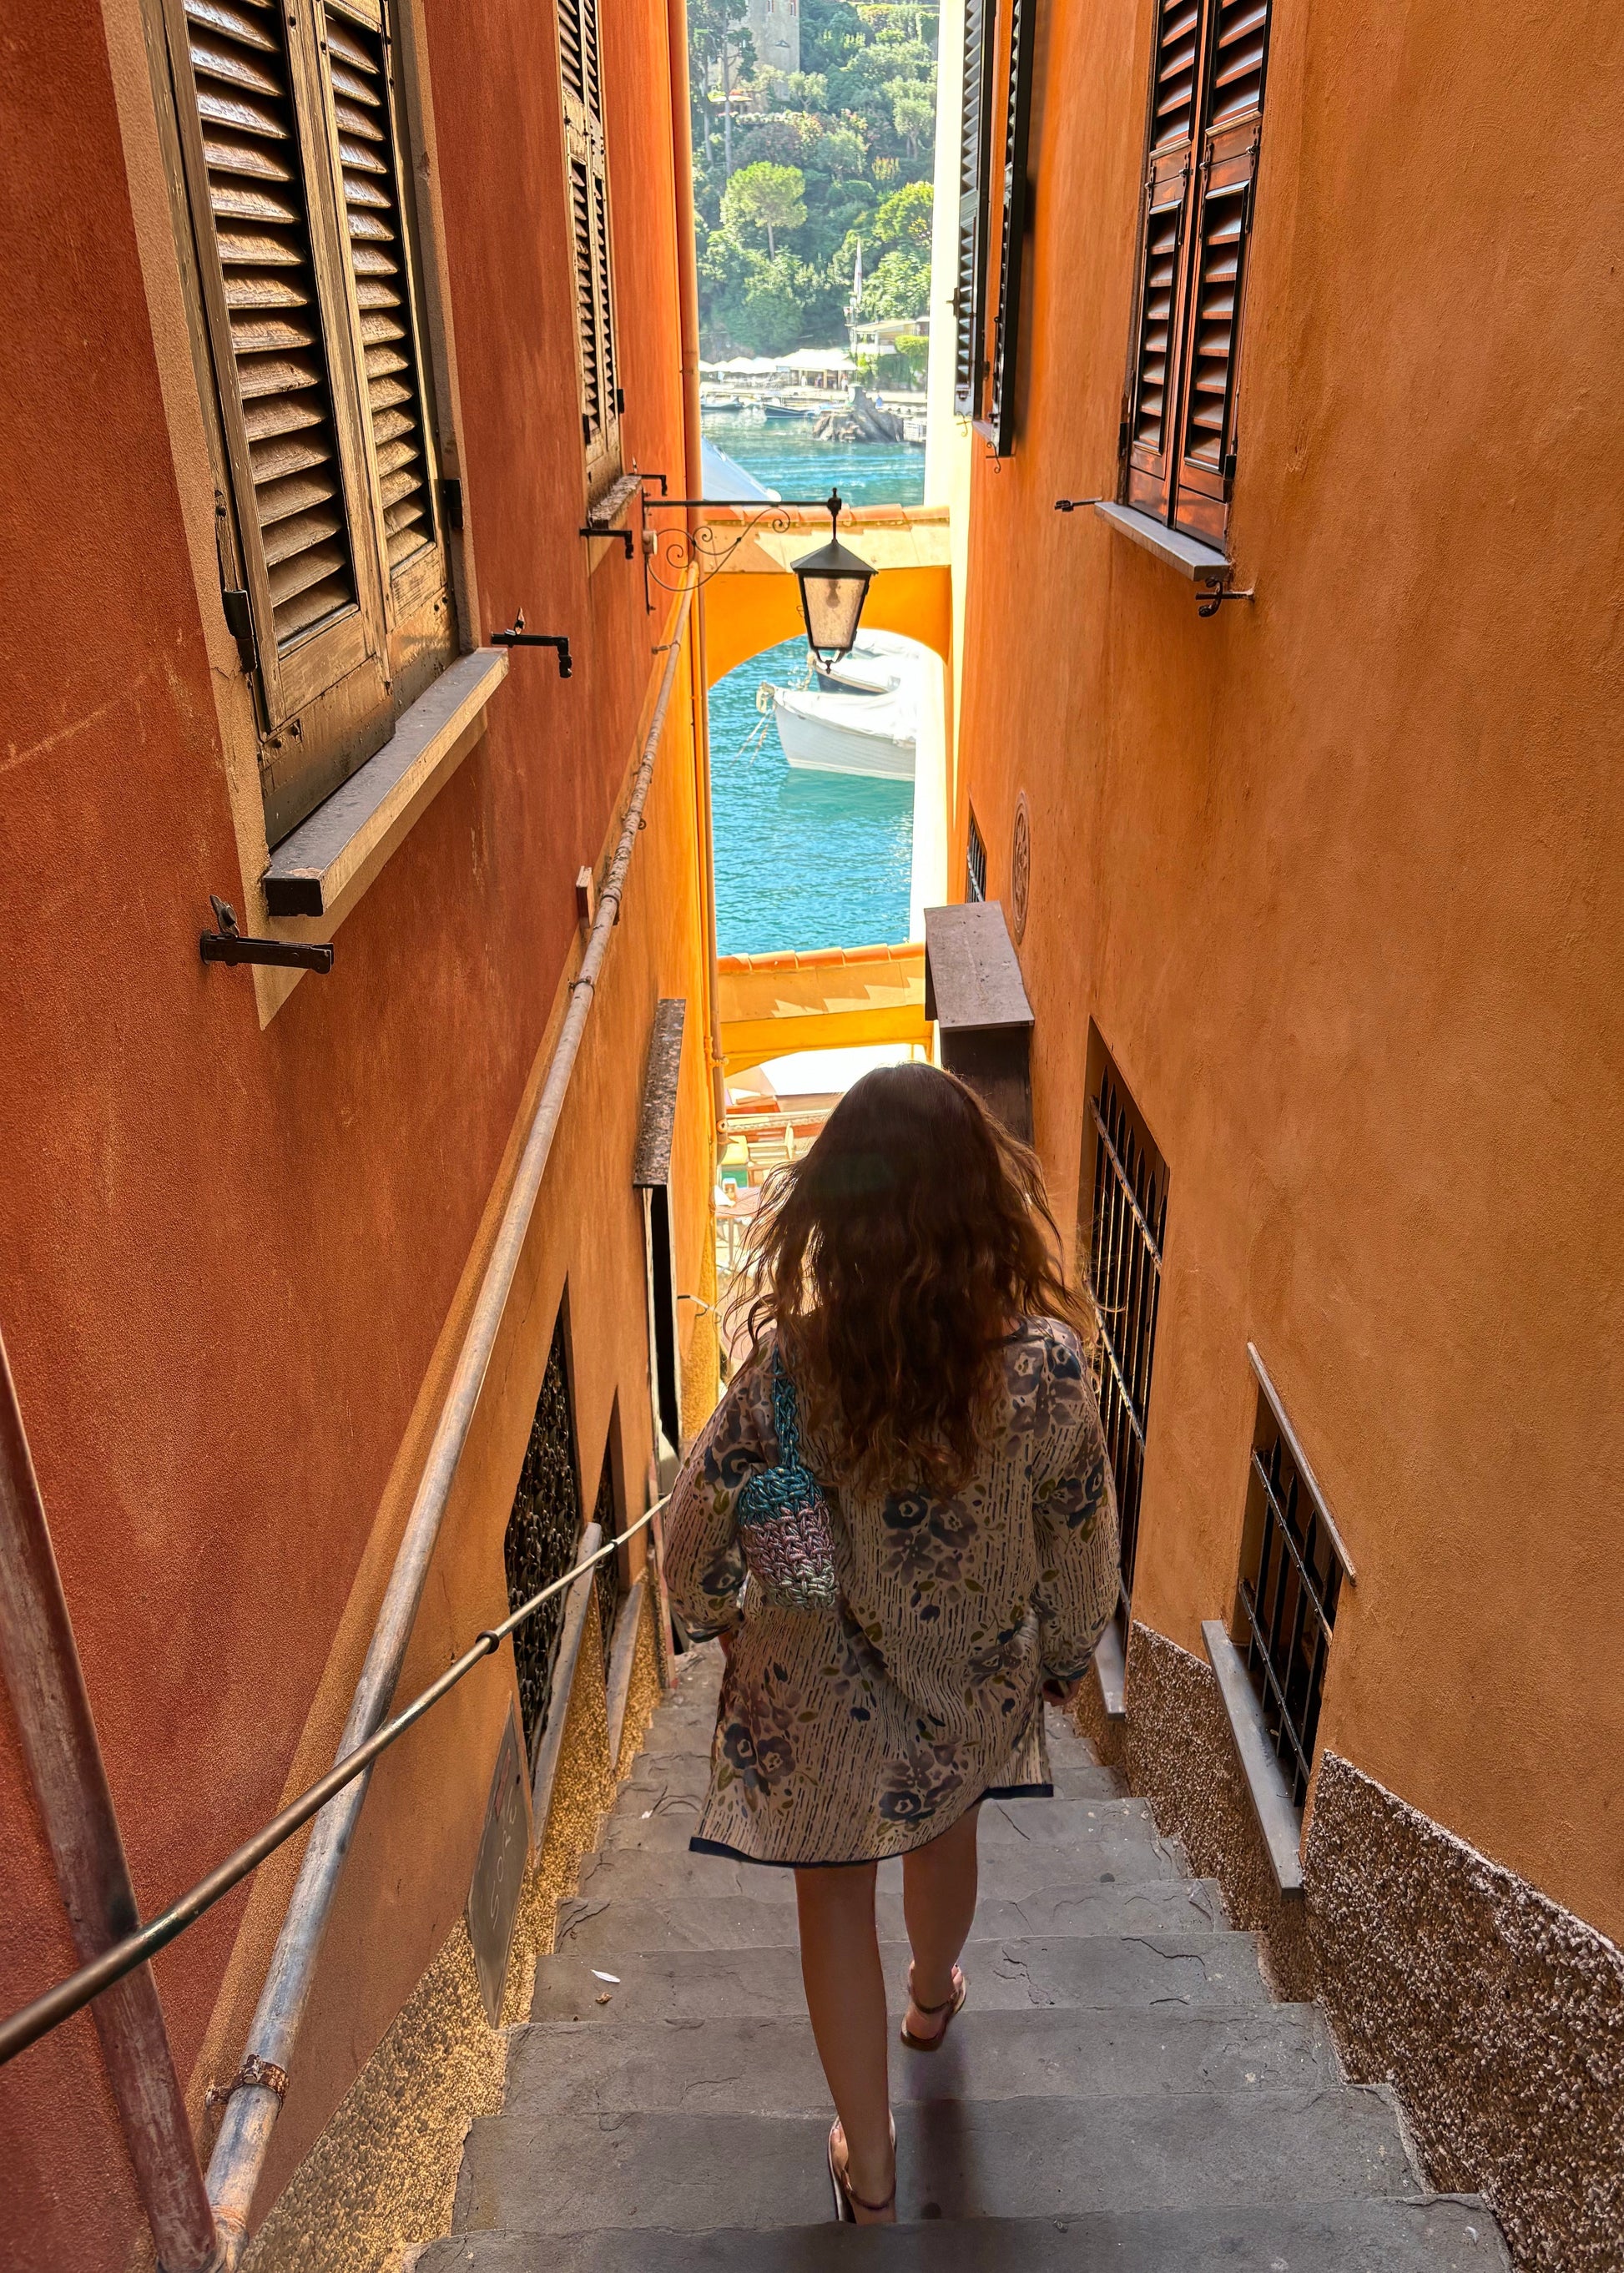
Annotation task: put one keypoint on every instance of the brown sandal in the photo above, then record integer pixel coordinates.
(952, 2005)
(847, 2203)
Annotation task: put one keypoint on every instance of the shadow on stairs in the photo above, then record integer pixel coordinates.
(1120, 2092)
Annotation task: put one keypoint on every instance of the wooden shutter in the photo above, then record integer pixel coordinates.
(1220, 229)
(1017, 131)
(290, 441)
(1205, 104)
(580, 73)
(970, 262)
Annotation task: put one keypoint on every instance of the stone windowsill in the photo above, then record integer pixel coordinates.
(310, 870)
(608, 512)
(1111, 1671)
(1201, 563)
(1271, 1798)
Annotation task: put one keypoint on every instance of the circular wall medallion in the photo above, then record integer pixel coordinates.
(1021, 868)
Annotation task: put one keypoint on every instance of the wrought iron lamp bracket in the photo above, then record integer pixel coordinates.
(226, 943)
(519, 637)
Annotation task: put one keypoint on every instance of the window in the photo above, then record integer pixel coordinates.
(1292, 1566)
(1126, 1213)
(332, 553)
(580, 72)
(1207, 82)
(544, 1531)
(970, 257)
(609, 1579)
(975, 865)
(651, 1179)
(999, 425)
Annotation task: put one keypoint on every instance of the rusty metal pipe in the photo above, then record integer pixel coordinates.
(47, 1686)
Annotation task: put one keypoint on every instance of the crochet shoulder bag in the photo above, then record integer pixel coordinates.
(783, 1526)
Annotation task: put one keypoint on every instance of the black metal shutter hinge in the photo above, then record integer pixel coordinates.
(451, 502)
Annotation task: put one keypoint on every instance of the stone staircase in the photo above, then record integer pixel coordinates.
(1120, 2092)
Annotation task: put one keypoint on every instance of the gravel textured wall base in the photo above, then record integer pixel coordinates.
(381, 2179)
(1179, 1754)
(1498, 2015)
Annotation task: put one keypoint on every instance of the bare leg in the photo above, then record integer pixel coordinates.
(845, 1996)
(938, 1902)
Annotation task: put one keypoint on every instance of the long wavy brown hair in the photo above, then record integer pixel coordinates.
(892, 1261)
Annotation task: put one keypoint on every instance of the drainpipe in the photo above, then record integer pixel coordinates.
(694, 473)
(63, 1757)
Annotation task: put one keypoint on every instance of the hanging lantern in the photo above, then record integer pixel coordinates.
(834, 583)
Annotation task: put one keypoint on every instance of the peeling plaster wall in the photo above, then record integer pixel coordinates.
(1496, 2015)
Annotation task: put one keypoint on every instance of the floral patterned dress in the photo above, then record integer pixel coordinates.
(846, 1734)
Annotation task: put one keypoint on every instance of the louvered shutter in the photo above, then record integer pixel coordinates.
(970, 259)
(1017, 131)
(281, 400)
(1232, 107)
(580, 73)
(378, 250)
(1154, 371)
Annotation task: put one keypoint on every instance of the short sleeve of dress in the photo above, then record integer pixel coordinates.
(1073, 1514)
(704, 1561)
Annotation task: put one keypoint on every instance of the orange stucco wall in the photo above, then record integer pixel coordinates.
(234, 1261)
(1336, 872)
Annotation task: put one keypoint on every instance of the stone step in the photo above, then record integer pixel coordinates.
(770, 2067)
(1033, 2157)
(1158, 1906)
(1003, 1824)
(1449, 2235)
(1173, 1974)
(1010, 1872)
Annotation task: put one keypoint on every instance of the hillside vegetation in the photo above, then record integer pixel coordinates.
(793, 171)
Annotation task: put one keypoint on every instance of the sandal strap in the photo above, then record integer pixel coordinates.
(843, 2178)
(929, 2009)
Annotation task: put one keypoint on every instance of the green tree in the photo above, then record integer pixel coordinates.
(765, 197)
(904, 220)
(913, 109)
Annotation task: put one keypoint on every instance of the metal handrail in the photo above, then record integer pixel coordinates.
(36, 2019)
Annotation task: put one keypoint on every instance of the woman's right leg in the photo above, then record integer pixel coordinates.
(938, 1903)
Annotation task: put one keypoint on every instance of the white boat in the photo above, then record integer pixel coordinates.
(859, 716)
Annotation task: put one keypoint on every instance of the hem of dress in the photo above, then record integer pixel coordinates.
(698, 1846)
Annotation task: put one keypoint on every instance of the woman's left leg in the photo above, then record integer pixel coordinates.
(845, 1996)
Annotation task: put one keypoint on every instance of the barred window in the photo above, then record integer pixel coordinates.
(544, 1533)
(975, 863)
(1292, 1567)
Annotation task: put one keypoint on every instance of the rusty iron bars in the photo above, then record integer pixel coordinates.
(63, 1757)
(256, 2096)
(1124, 1268)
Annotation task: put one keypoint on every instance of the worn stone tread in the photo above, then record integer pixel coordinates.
(956, 2159)
(1004, 1824)
(683, 1778)
(1173, 1972)
(1442, 2234)
(739, 1922)
(770, 2067)
(1127, 1854)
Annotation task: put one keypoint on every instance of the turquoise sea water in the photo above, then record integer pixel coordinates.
(804, 859)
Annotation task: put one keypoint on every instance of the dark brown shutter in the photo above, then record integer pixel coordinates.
(1017, 133)
(580, 73)
(1152, 378)
(1220, 226)
(970, 260)
(380, 268)
(295, 515)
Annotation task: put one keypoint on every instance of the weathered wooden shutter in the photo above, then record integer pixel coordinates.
(580, 72)
(970, 262)
(1017, 131)
(379, 257)
(1232, 109)
(280, 397)
(1152, 377)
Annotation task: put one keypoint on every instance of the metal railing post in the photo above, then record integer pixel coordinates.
(63, 1757)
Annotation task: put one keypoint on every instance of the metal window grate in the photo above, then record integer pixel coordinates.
(542, 1532)
(1291, 1578)
(608, 1579)
(975, 865)
(1129, 1224)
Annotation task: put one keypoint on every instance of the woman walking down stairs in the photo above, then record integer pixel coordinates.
(1119, 2092)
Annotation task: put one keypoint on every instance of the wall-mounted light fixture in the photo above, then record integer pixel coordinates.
(834, 583)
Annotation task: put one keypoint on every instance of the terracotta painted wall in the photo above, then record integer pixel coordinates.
(233, 1261)
(1336, 873)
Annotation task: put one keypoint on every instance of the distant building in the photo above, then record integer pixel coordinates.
(775, 27)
